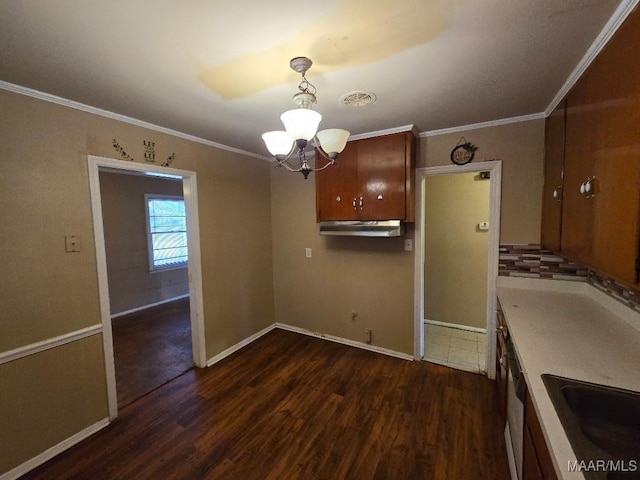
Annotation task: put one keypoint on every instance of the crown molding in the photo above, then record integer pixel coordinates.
(609, 29)
(388, 131)
(475, 126)
(47, 97)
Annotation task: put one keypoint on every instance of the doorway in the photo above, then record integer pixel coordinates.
(186, 181)
(457, 240)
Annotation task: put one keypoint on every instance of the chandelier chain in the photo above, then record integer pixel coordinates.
(305, 86)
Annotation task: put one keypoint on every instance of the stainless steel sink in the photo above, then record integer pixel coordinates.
(602, 424)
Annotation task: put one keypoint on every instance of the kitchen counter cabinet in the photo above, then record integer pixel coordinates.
(572, 330)
(373, 180)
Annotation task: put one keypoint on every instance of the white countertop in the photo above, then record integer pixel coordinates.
(572, 330)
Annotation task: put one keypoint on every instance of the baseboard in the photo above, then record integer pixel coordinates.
(455, 325)
(53, 451)
(344, 341)
(238, 346)
(151, 305)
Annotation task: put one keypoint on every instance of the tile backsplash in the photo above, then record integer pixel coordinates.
(623, 294)
(529, 260)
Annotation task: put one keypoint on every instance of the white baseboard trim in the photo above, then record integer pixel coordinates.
(238, 346)
(151, 305)
(455, 325)
(37, 347)
(344, 341)
(53, 451)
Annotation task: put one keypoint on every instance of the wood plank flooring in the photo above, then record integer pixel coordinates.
(289, 406)
(150, 348)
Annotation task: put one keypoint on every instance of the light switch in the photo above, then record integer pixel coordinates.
(483, 226)
(71, 244)
(307, 252)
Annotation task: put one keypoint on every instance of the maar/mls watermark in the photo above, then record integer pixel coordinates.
(602, 465)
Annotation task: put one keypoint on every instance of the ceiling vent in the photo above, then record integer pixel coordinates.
(357, 99)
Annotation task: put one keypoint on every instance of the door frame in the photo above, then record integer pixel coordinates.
(494, 167)
(190, 193)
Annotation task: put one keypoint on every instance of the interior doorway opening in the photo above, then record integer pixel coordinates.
(456, 237)
(114, 309)
(146, 244)
(449, 310)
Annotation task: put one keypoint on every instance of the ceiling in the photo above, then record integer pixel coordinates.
(219, 70)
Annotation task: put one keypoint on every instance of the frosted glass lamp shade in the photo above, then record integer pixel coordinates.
(278, 143)
(301, 123)
(333, 140)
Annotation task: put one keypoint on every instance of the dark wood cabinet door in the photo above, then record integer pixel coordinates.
(602, 137)
(382, 177)
(373, 180)
(577, 224)
(553, 181)
(337, 187)
(616, 102)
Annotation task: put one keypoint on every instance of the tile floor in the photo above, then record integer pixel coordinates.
(455, 348)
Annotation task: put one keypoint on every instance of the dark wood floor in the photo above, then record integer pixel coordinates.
(289, 406)
(150, 348)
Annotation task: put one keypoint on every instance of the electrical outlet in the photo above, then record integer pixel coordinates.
(408, 244)
(307, 252)
(71, 244)
(367, 336)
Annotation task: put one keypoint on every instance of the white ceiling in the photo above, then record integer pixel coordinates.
(219, 70)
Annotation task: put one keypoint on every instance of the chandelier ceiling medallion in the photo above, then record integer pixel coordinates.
(301, 127)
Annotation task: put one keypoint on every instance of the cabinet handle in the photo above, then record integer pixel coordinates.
(361, 203)
(354, 203)
(557, 193)
(589, 187)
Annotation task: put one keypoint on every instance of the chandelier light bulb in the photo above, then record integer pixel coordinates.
(301, 123)
(333, 140)
(278, 142)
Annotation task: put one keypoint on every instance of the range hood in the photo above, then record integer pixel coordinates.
(386, 228)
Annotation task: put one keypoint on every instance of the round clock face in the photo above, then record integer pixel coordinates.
(460, 155)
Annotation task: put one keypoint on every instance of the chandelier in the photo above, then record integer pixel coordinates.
(301, 125)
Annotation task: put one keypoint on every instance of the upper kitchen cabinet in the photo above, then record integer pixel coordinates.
(553, 173)
(601, 197)
(373, 180)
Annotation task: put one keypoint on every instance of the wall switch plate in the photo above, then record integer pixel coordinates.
(408, 244)
(307, 252)
(483, 226)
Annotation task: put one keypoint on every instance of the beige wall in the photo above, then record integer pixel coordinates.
(456, 251)
(131, 284)
(373, 276)
(44, 192)
(520, 146)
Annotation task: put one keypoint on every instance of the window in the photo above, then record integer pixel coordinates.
(166, 231)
